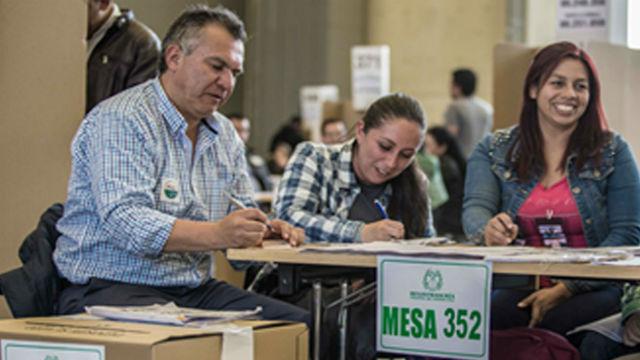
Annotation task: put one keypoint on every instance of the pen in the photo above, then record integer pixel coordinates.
(506, 227)
(235, 201)
(381, 209)
(240, 205)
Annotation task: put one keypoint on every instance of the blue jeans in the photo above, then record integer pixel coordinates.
(578, 310)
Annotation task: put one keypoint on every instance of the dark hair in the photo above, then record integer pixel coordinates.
(236, 115)
(186, 28)
(590, 134)
(466, 80)
(328, 121)
(443, 137)
(409, 197)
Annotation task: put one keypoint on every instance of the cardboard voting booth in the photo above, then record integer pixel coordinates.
(66, 338)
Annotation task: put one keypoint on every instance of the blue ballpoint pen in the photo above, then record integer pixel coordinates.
(381, 209)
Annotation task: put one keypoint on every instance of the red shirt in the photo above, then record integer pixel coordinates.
(549, 217)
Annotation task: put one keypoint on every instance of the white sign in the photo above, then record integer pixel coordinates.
(39, 350)
(311, 100)
(369, 74)
(432, 307)
(583, 20)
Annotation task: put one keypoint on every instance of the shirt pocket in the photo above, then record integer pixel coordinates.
(504, 171)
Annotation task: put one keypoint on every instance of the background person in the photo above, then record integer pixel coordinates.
(121, 51)
(448, 217)
(333, 131)
(560, 168)
(258, 168)
(468, 118)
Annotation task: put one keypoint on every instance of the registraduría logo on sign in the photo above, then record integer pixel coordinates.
(432, 280)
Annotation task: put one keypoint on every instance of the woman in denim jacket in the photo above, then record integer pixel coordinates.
(558, 178)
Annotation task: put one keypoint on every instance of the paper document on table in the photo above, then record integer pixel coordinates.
(422, 247)
(170, 314)
(609, 327)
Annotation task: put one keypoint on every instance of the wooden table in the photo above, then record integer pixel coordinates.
(275, 252)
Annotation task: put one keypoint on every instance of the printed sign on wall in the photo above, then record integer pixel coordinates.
(433, 307)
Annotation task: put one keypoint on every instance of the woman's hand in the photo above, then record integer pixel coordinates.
(500, 230)
(383, 230)
(285, 231)
(544, 300)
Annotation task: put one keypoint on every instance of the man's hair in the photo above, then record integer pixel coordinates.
(185, 30)
(327, 122)
(466, 80)
(236, 115)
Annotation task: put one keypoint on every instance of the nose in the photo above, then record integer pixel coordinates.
(226, 80)
(391, 162)
(569, 91)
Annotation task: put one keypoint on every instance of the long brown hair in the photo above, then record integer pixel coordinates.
(589, 135)
(409, 197)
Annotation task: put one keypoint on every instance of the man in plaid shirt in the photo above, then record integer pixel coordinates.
(154, 171)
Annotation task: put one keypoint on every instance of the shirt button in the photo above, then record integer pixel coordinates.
(507, 174)
(576, 190)
(596, 173)
(588, 221)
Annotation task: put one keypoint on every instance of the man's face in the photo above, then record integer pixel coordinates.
(334, 133)
(98, 11)
(205, 78)
(243, 127)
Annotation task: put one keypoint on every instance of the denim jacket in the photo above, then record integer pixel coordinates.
(607, 194)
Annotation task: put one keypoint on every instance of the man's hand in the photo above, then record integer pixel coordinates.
(285, 231)
(544, 300)
(242, 228)
(383, 230)
(500, 230)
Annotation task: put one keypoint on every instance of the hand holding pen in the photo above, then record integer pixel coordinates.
(383, 230)
(274, 228)
(500, 230)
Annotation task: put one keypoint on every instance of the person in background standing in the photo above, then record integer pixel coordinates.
(468, 118)
(121, 51)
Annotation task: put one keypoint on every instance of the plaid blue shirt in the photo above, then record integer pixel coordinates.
(318, 189)
(133, 175)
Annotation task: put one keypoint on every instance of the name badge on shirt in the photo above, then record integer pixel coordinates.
(552, 232)
(170, 191)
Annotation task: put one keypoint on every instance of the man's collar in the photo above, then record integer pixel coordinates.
(176, 121)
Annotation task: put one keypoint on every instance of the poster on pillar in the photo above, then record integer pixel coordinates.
(370, 74)
(583, 20)
(311, 100)
(433, 307)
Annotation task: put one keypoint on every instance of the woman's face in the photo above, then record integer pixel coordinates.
(564, 96)
(384, 152)
(433, 147)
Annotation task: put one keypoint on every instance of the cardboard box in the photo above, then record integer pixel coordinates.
(122, 341)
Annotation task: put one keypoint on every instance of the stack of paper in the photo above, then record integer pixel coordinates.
(170, 314)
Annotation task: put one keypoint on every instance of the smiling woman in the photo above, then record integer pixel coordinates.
(560, 178)
(331, 191)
